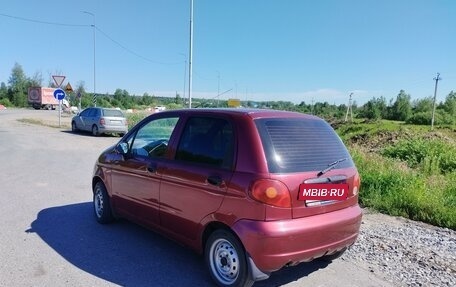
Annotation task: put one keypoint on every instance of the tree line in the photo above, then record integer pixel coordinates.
(402, 108)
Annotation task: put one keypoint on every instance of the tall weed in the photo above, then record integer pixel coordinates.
(431, 156)
(394, 188)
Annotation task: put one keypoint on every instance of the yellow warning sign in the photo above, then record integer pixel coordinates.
(234, 103)
(68, 88)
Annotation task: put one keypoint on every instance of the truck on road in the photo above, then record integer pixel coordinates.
(43, 98)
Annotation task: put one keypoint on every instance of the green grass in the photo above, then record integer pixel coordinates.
(406, 170)
(431, 156)
(391, 187)
(43, 123)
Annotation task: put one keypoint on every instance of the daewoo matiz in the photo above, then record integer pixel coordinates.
(253, 190)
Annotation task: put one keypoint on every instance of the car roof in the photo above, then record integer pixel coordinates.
(253, 113)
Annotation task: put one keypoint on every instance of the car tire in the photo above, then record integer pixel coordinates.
(226, 260)
(74, 128)
(102, 204)
(95, 130)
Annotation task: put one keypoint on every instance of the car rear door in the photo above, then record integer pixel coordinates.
(195, 182)
(304, 153)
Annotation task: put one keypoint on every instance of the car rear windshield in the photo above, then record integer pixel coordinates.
(113, 113)
(301, 145)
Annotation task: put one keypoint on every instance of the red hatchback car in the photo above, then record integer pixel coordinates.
(253, 190)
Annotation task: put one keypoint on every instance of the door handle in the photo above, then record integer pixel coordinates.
(215, 180)
(152, 167)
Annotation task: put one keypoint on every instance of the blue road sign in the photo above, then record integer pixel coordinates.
(59, 94)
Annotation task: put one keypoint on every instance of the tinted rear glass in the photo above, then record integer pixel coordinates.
(112, 113)
(300, 145)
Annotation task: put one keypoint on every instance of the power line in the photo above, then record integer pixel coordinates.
(133, 52)
(44, 22)
(99, 30)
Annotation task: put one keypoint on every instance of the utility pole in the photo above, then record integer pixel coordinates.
(312, 107)
(94, 78)
(349, 109)
(436, 79)
(190, 58)
(218, 88)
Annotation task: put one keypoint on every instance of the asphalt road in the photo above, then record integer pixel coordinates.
(49, 237)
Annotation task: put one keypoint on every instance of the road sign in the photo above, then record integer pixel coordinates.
(59, 94)
(68, 88)
(78, 95)
(58, 80)
(94, 100)
(234, 103)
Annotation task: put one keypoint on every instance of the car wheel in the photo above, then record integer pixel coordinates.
(94, 130)
(226, 260)
(74, 128)
(101, 204)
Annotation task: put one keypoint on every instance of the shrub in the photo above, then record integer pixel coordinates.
(6, 102)
(134, 118)
(431, 155)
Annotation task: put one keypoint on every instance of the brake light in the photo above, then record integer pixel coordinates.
(272, 192)
(356, 184)
(102, 122)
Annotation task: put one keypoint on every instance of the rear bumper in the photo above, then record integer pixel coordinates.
(275, 244)
(113, 129)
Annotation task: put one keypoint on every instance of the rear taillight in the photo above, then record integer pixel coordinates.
(272, 192)
(102, 122)
(356, 184)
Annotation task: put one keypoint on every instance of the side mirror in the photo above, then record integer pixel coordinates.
(122, 148)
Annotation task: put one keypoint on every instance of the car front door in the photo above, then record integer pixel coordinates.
(194, 183)
(136, 178)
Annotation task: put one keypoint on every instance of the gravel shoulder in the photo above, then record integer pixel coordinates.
(405, 252)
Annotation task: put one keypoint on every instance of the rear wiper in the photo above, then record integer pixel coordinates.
(331, 166)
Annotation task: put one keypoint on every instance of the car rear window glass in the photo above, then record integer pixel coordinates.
(113, 113)
(301, 145)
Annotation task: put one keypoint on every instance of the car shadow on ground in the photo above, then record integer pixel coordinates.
(129, 255)
(89, 134)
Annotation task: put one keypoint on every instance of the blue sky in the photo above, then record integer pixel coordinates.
(291, 50)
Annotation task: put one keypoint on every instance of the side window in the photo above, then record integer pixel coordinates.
(151, 140)
(86, 112)
(208, 141)
(93, 113)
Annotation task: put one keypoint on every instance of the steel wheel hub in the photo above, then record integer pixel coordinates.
(224, 261)
(98, 204)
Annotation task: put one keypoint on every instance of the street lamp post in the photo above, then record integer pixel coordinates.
(94, 58)
(185, 73)
(190, 56)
